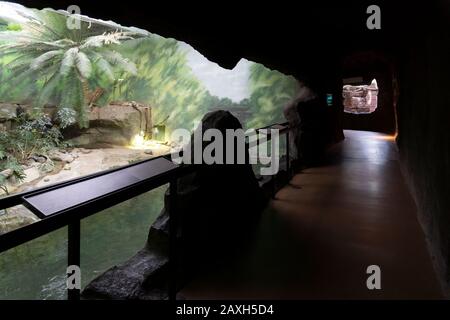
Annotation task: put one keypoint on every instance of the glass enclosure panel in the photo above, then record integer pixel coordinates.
(114, 235)
(282, 153)
(35, 270)
(15, 217)
(268, 146)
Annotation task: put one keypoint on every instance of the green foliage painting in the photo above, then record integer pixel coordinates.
(271, 90)
(163, 80)
(51, 63)
(43, 62)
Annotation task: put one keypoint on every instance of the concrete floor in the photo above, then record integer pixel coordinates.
(325, 228)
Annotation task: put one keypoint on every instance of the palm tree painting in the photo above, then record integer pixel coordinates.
(67, 67)
(45, 62)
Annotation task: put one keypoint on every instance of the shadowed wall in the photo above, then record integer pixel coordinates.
(423, 140)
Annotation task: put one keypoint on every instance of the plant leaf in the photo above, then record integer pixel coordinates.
(83, 64)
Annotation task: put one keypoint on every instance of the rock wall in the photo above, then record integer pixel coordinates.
(7, 113)
(114, 124)
(424, 137)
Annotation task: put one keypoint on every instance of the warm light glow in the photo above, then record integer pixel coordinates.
(139, 142)
(391, 137)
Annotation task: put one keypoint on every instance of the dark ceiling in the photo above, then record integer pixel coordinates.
(303, 38)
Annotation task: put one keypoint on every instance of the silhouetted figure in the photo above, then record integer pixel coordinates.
(225, 202)
(314, 129)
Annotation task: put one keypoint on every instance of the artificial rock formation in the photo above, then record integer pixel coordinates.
(217, 208)
(144, 276)
(360, 99)
(7, 111)
(114, 124)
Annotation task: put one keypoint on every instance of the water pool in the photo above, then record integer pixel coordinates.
(37, 269)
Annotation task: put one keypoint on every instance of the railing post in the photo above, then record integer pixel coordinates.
(274, 175)
(173, 228)
(288, 159)
(73, 253)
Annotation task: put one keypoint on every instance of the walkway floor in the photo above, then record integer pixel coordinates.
(325, 228)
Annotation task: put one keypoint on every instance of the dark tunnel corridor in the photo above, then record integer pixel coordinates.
(329, 222)
(354, 189)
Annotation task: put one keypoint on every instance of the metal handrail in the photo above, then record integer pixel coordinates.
(16, 199)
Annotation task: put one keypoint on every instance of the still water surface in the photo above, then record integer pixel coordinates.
(36, 270)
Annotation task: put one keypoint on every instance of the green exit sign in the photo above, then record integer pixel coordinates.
(329, 99)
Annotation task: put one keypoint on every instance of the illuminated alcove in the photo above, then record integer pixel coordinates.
(360, 99)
